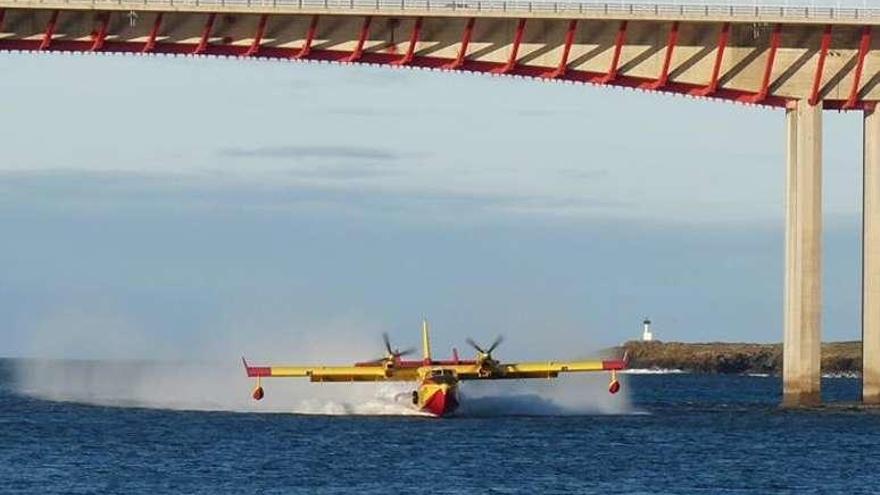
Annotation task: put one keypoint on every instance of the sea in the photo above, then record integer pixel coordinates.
(670, 433)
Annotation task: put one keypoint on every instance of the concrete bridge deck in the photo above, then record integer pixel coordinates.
(540, 9)
(802, 59)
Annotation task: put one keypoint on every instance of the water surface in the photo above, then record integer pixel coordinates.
(685, 434)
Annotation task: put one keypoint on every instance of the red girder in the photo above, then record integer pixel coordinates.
(514, 50)
(864, 46)
(671, 40)
(723, 37)
(2, 15)
(50, 30)
(413, 40)
(566, 49)
(206, 35)
(258, 36)
(422, 61)
(101, 34)
(775, 37)
(358, 51)
(562, 71)
(820, 66)
(310, 37)
(150, 45)
(465, 41)
(619, 40)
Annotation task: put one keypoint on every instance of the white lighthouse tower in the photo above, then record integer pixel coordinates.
(647, 334)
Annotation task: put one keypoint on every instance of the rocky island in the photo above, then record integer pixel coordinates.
(838, 358)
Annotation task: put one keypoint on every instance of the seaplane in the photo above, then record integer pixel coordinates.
(436, 393)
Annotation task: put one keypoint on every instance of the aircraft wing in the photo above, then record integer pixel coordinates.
(332, 373)
(545, 369)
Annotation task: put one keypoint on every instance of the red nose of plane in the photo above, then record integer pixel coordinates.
(442, 403)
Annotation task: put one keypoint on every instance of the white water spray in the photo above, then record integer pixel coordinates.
(117, 378)
(221, 387)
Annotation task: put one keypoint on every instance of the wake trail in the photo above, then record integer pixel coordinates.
(224, 387)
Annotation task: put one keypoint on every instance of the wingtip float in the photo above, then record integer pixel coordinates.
(437, 380)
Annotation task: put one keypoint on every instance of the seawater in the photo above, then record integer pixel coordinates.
(681, 434)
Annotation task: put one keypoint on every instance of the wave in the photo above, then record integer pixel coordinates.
(843, 374)
(653, 371)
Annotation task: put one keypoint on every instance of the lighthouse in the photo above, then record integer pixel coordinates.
(647, 334)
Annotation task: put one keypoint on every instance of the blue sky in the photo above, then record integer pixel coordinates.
(158, 206)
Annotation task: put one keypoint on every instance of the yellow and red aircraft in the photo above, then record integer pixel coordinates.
(437, 392)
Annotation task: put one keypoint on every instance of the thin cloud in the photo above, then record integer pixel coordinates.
(273, 192)
(582, 173)
(341, 172)
(320, 152)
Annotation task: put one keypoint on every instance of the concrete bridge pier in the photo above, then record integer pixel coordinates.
(803, 256)
(871, 259)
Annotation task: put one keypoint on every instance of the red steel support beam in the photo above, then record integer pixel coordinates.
(671, 40)
(101, 34)
(566, 49)
(50, 30)
(413, 40)
(362, 38)
(514, 50)
(465, 41)
(761, 95)
(258, 36)
(723, 38)
(820, 67)
(154, 32)
(864, 46)
(619, 40)
(206, 35)
(310, 37)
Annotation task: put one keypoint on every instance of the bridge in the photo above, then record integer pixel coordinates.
(801, 60)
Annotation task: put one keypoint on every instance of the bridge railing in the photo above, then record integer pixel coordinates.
(682, 10)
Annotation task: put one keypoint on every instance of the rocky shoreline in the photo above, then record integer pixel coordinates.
(838, 358)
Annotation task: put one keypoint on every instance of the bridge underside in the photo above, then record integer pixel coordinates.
(766, 64)
(802, 66)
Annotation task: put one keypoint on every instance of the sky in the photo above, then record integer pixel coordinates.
(176, 207)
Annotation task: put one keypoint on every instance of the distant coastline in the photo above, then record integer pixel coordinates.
(838, 358)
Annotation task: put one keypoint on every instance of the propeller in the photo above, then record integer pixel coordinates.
(392, 355)
(488, 365)
(486, 352)
(396, 353)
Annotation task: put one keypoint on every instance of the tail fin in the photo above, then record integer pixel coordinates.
(426, 342)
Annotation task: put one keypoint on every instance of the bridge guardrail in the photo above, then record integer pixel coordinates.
(684, 11)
